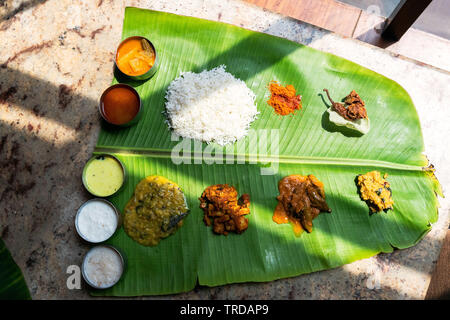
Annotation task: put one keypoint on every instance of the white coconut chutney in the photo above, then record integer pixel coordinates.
(96, 221)
(102, 267)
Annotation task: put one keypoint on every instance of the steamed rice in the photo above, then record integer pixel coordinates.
(211, 106)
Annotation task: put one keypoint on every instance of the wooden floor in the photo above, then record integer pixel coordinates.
(366, 22)
(353, 22)
(341, 18)
(328, 14)
(440, 283)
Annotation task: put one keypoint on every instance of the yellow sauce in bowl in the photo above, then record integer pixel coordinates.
(103, 175)
(135, 56)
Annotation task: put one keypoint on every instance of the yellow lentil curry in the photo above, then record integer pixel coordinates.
(155, 211)
(375, 191)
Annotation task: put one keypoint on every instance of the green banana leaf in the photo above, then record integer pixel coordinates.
(308, 144)
(12, 283)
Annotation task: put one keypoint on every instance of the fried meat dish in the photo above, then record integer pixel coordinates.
(223, 210)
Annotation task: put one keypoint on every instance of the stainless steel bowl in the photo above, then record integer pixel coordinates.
(118, 216)
(136, 117)
(85, 276)
(83, 178)
(150, 72)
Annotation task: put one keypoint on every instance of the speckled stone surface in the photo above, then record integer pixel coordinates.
(56, 57)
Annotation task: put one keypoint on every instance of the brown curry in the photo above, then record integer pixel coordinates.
(301, 200)
(353, 109)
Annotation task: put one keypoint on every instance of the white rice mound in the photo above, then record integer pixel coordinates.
(211, 106)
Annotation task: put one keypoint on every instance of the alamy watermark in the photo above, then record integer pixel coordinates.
(261, 146)
(74, 279)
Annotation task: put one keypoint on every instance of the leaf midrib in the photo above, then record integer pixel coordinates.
(249, 158)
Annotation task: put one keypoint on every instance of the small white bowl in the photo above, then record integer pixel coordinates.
(83, 236)
(83, 266)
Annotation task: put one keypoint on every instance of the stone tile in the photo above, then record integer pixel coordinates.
(415, 44)
(56, 60)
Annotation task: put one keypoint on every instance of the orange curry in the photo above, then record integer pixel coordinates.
(135, 57)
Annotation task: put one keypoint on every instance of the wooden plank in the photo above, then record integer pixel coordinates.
(440, 282)
(328, 14)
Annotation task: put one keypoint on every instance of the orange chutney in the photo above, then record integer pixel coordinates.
(120, 104)
(135, 56)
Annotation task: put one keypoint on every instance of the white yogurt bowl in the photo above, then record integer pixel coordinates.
(97, 220)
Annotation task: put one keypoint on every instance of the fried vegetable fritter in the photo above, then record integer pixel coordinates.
(301, 199)
(155, 211)
(375, 191)
(224, 210)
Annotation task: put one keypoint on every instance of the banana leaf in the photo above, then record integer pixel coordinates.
(307, 144)
(12, 283)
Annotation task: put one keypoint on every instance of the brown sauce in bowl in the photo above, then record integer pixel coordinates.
(119, 104)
